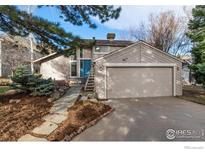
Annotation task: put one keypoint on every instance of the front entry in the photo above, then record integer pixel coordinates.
(85, 66)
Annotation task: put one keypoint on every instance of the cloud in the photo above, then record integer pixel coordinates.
(133, 15)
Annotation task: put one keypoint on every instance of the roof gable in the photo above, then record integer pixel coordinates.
(135, 45)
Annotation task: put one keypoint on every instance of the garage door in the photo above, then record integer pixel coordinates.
(133, 82)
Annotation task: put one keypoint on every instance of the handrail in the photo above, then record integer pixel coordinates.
(91, 70)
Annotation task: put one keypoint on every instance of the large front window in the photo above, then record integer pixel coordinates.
(73, 69)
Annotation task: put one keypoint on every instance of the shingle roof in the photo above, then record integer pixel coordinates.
(120, 43)
(116, 43)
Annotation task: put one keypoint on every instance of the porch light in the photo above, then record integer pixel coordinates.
(97, 48)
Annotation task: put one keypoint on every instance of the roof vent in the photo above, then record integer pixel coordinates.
(110, 36)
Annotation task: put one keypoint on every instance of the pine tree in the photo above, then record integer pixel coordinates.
(31, 83)
(48, 34)
(197, 35)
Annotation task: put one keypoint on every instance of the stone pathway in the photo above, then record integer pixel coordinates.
(58, 113)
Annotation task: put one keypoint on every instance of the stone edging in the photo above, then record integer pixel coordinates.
(84, 127)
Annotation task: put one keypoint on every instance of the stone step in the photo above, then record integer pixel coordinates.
(90, 87)
(90, 84)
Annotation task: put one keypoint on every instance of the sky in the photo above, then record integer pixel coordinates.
(130, 16)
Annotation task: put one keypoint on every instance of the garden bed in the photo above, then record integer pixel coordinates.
(194, 93)
(17, 119)
(4, 89)
(80, 116)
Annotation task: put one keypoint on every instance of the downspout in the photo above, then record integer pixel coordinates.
(93, 49)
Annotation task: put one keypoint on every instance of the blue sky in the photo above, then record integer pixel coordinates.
(130, 16)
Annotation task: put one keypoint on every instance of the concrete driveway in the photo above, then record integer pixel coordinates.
(148, 119)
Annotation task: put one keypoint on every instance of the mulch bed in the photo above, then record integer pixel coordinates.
(194, 93)
(80, 116)
(17, 119)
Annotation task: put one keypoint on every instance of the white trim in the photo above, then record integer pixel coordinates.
(174, 80)
(50, 55)
(101, 53)
(76, 69)
(139, 64)
(85, 58)
(173, 66)
(106, 82)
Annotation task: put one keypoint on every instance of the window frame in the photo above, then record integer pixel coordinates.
(73, 61)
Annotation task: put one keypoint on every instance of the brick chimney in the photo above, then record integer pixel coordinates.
(110, 36)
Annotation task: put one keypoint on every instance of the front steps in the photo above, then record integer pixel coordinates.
(90, 84)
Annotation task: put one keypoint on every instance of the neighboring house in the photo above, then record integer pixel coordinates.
(187, 76)
(121, 69)
(15, 51)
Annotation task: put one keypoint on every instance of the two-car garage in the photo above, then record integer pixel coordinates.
(138, 70)
(132, 81)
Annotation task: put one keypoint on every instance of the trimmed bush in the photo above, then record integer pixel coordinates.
(31, 83)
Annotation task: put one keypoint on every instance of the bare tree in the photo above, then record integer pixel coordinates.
(165, 31)
(15, 53)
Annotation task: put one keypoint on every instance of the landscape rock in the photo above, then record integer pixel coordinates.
(94, 100)
(50, 100)
(83, 98)
(29, 137)
(55, 118)
(45, 129)
(14, 101)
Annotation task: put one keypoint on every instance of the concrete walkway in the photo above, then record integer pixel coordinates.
(58, 113)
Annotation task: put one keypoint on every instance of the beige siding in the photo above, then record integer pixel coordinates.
(104, 50)
(138, 53)
(58, 68)
(87, 53)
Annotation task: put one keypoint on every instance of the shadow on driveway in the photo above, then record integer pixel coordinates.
(148, 119)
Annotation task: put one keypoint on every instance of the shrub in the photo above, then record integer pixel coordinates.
(31, 83)
(199, 73)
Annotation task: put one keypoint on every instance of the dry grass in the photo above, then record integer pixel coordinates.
(194, 93)
(17, 119)
(79, 115)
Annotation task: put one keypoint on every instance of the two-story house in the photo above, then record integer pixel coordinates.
(117, 69)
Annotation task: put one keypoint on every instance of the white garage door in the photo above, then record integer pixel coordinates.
(133, 82)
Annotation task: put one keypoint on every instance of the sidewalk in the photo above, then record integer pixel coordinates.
(58, 113)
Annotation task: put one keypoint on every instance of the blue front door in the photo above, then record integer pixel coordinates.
(85, 66)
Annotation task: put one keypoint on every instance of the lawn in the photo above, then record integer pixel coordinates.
(194, 93)
(4, 89)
